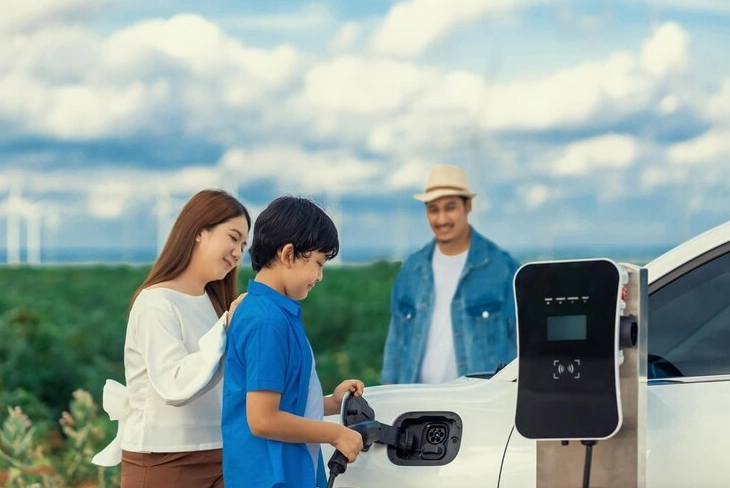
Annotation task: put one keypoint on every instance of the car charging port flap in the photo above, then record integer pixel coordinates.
(427, 439)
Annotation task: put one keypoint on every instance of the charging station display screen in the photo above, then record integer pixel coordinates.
(567, 333)
(567, 328)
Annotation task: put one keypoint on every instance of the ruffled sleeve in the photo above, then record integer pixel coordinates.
(176, 374)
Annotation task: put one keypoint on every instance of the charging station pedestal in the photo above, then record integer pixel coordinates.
(564, 344)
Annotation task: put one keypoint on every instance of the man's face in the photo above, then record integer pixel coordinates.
(448, 218)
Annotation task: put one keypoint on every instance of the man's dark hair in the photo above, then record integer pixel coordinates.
(463, 199)
(294, 220)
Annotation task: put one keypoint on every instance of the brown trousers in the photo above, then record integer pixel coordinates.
(197, 469)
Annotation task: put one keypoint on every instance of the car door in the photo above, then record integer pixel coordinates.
(689, 374)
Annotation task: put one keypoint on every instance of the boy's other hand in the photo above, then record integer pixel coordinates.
(333, 403)
(355, 387)
(349, 443)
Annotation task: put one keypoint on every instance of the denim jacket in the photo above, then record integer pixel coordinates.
(482, 312)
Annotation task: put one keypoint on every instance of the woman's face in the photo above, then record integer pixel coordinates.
(220, 249)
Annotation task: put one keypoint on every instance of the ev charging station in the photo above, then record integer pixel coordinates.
(581, 385)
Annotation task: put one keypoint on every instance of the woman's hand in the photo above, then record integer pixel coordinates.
(234, 305)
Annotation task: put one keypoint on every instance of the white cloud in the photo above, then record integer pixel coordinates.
(712, 146)
(209, 54)
(192, 179)
(377, 123)
(293, 168)
(205, 84)
(19, 15)
(57, 54)
(409, 174)
(307, 18)
(359, 86)
(666, 51)
(345, 37)
(412, 26)
(109, 200)
(669, 105)
(718, 105)
(87, 112)
(657, 177)
(403, 107)
(139, 76)
(534, 195)
(607, 151)
(591, 92)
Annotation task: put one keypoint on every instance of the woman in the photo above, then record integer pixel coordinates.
(169, 414)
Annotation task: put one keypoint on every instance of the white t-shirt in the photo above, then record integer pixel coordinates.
(439, 359)
(172, 362)
(314, 409)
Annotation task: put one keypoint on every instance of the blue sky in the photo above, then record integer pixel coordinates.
(580, 123)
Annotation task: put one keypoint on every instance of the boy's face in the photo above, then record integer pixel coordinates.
(305, 273)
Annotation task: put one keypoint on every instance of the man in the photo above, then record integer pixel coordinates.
(452, 305)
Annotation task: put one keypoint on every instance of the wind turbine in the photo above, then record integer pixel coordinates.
(17, 209)
(33, 232)
(13, 211)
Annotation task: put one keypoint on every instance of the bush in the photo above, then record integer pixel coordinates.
(27, 459)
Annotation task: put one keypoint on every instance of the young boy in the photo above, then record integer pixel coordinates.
(272, 398)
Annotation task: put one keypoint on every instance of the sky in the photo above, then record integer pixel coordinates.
(603, 123)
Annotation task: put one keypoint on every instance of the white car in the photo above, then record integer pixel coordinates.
(688, 397)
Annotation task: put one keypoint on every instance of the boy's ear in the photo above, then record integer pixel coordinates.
(286, 254)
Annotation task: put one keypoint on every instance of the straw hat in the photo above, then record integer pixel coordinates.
(445, 180)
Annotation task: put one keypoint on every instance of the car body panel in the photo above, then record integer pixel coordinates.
(486, 404)
(687, 251)
(688, 434)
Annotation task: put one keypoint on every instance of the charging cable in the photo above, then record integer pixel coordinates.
(371, 431)
(587, 465)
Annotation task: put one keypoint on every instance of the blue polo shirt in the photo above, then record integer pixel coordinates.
(267, 349)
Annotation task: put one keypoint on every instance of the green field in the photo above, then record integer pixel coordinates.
(62, 329)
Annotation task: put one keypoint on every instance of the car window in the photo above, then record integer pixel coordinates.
(689, 323)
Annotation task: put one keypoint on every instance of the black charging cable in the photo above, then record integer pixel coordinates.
(587, 465)
(337, 465)
(371, 431)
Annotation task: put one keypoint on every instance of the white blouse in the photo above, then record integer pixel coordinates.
(172, 362)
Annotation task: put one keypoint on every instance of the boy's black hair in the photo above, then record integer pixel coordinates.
(294, 220)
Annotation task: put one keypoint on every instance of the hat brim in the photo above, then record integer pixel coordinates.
(430, 196)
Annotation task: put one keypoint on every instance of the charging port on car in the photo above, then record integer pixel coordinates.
(434, 439)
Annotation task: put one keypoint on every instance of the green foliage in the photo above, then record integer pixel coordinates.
(29, 460)
(63, 329)
(346, 318)
(30, 404)
(84, 436)
(63, 334)
(21, 461)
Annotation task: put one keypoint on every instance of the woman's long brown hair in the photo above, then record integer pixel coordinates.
(204, 210)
